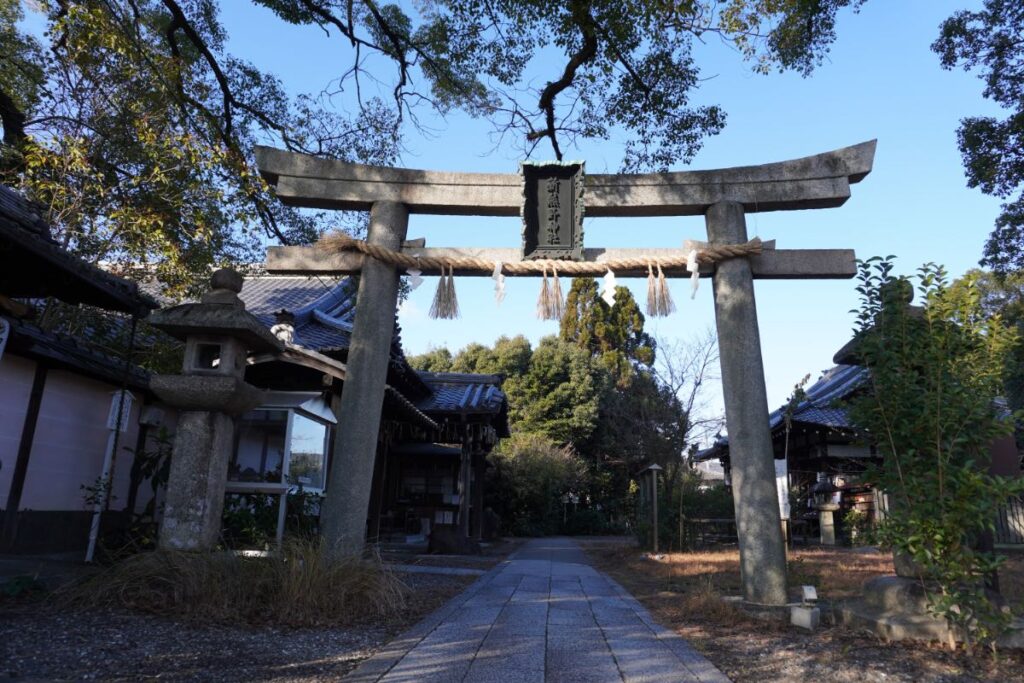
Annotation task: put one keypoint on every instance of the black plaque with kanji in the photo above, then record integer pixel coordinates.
(552, 210)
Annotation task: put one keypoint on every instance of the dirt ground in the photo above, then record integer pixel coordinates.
(684, 591)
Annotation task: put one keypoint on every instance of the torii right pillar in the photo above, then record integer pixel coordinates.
(758, 523)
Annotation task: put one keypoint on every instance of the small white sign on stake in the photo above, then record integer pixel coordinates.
(125, 404)
(782, 486)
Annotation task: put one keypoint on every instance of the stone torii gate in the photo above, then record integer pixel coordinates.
(723, 197)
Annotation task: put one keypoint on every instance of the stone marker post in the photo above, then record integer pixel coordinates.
(343, 517)
(211, 391)
(758, 524)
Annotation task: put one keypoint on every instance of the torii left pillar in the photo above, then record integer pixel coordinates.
(343, 517)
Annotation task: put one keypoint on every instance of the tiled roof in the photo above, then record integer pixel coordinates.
(323, 307)
(64, 351)
(33, 264)
(818, 407)
(462, 393)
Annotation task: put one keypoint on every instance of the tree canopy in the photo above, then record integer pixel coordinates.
(991, 42)
(595, 392)
(134, 124)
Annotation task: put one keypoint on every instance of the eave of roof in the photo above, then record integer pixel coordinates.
(63, 351)
(33, 265)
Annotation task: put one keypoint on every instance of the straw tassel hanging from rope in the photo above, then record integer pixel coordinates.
(666, 306)
(446, 304)
(652, 292)
(659, 298)
(549, 304)
(557, 302)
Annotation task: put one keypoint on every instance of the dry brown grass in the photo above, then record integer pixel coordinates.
(297, 587)
(706, 575)
(684, 591)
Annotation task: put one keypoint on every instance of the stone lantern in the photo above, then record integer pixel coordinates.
(823, 494)
(219, 336)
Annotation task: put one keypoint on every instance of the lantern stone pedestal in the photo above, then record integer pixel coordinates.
(896, 608)
(827, 522)
(219, 335)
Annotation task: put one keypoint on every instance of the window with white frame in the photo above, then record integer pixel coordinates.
(284, 443)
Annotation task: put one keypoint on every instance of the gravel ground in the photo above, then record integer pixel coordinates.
(40, 642)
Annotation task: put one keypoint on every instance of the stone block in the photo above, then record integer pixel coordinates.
(805, 617)
(896, 594)
(1013, 639)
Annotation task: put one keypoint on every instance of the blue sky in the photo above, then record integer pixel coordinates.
(880, 80)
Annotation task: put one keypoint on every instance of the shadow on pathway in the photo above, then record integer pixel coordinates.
(543, 615)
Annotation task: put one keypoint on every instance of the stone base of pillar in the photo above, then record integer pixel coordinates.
(195, 487)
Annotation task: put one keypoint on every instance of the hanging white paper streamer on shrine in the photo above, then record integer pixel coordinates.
(608, 292)
(499, 283)
(415, 279)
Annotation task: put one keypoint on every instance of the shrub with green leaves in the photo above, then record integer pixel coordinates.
(930, 405)
(530, 481)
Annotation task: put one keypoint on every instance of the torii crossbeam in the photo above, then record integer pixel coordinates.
(723, 196)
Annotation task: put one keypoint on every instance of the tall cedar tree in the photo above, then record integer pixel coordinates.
(613, 334)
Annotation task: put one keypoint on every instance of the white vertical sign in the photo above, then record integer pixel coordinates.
(782, 487)
(122, 400)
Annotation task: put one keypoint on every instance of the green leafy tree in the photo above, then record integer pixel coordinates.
(991, 42)
(559, 395)
(435, 360)
(1002, 297)
(134, 127)
(529, 483)
(510, 357)
(929, 406)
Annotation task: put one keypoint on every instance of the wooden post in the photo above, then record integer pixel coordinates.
(758, 522)
(654, 506)
(28, 432)
(479, 472)
(464, 464)
(343, 518)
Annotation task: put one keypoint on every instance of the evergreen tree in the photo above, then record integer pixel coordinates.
(613, 334)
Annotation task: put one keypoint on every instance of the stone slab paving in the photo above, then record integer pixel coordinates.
(545, 616)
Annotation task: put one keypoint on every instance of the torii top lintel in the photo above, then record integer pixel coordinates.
(814, 182)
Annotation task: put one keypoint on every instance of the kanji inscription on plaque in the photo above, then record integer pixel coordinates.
(552, 210)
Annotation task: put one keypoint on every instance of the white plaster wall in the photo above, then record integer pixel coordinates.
(15, 386)
(70, 442)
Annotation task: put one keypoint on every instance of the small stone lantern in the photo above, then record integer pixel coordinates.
(219, 335)
(823, 494)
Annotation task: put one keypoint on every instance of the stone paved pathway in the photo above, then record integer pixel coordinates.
(544, 615)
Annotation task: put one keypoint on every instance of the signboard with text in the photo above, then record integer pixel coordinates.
(553, 210)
